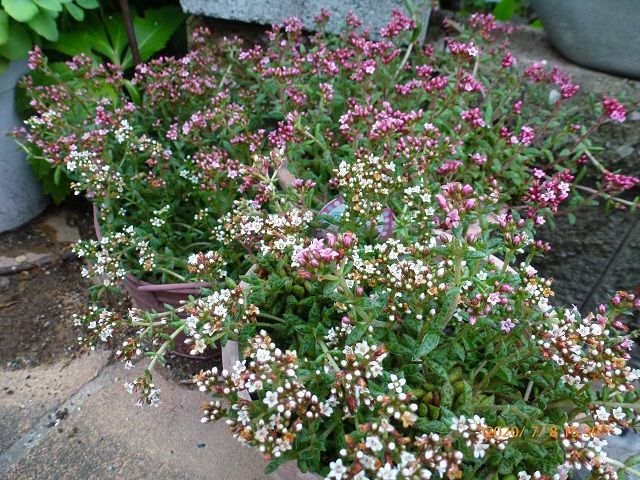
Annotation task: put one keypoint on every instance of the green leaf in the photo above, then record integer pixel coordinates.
(4, 65)
(133, 92)
(431, 426)
(459, 351)
(75, 11)
(48, 174)
(356, 334)
(20, 10)
(19, 43)
(72, 43)
(505, 10)
(536, 23)
(446, 395)
(429, 342)
(52, 5)
(45, 26)
(273, 465)
(4, 27)
(439, 370)
(154, 30)
(88, 4)
(633, 460)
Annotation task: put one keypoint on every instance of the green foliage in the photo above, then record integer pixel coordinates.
(25, 22)
(55, 181)
(106, 37)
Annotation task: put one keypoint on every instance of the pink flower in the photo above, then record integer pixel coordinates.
(614, 109)
(322, 17)
(508, 60)
(507, 325)
(527, 135)
(616, 183)
(473, 117)
(36, 59)
(569, 89)
(517, 107)
(479, 159)
(327, 91)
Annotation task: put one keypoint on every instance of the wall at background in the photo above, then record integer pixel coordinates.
(373, 13)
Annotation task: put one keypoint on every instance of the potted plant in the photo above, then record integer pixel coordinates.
(570, 25)
(433, 352)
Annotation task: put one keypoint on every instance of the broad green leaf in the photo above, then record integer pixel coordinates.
(48, 173)
(88, 4)
(504, 10)
(4, 27)
(429, 342)
(20, 10)
(52, 5)
(44, 24)
(439, 370)
(75, 11)
(19, 43)
(154, 30)
(72, 43)
(118, 36)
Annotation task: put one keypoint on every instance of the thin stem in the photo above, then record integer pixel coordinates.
(404, 61)
(271, 317)
(131, 32)
(528, 391)
(618, 404)
(453, 306)
(607, 196)
(172, 273)
(164, 346)
(328, 356)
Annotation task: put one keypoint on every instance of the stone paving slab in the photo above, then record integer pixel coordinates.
(108, 437)
(28, 394)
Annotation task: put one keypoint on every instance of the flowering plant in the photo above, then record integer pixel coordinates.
(430, 352)
(165, 156)
(416, 357)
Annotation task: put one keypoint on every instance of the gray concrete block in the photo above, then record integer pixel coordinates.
(21, 196)
(572, 26)
(374, 13)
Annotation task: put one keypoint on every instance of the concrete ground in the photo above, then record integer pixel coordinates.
(76, 421)
(72, 419)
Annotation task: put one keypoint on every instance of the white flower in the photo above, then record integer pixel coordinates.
(271, 399)
(337, 470)
(368, 461)
(618, 414)
(459, 424)
(362, 348)
(373, 443)
(406, 458)
(602, 414)
(388, 472)
(479, 449)
(524, 476)
(262, 355)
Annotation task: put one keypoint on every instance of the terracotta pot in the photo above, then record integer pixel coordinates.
(149, 296)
